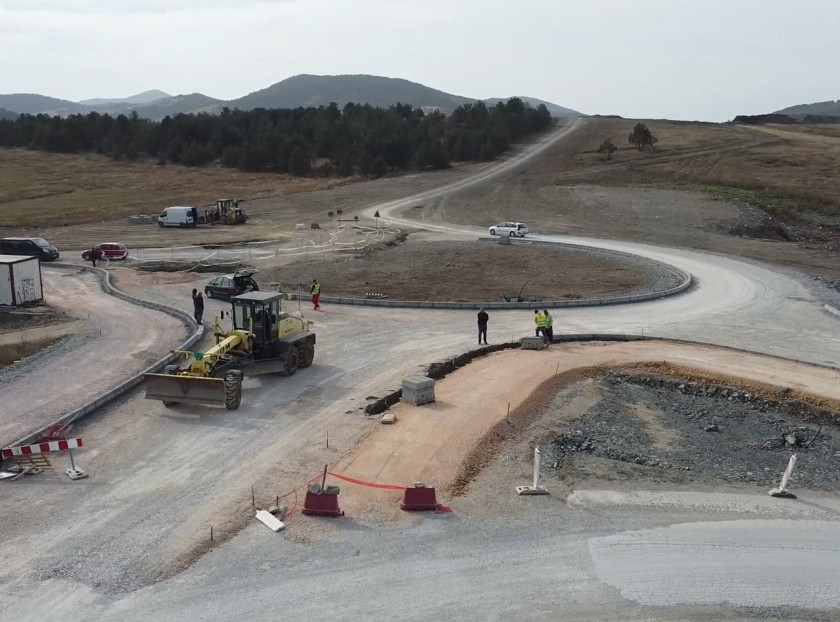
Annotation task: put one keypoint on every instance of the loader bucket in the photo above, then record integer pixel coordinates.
(185, 389)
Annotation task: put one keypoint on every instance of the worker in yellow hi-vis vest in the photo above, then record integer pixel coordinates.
(540, 321)
(315, 290)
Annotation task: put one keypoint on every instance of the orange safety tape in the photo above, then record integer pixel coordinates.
(360, 482)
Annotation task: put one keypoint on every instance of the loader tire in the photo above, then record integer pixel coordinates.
(233, 389)
(292, 362)
(307, 355)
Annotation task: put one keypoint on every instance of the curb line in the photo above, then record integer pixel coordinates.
(197, 332)
(686, 281)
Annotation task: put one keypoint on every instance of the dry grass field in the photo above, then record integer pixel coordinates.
(48, 189)
(790, 171)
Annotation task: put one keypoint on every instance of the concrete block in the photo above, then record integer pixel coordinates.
(532, 343)
(388, 418)
(416, 383)
(418, 397)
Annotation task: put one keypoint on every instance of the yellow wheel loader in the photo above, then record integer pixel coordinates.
(263, 340)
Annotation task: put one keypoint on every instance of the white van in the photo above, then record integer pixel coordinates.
(178, 216)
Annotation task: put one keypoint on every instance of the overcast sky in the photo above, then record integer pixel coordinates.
(680, 59)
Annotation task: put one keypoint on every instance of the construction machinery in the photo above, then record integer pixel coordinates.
(263, 340)
(226, 212)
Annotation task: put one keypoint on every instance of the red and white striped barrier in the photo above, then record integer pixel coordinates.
(42, 448)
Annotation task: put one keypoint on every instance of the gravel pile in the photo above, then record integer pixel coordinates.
(707, 431)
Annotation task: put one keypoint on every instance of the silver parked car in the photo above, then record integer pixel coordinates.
(512, 229)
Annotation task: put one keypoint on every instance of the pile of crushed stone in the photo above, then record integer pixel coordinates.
(706, 432)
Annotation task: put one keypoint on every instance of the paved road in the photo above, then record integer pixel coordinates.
(175, 468)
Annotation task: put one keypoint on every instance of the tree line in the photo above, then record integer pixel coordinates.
(327, 140)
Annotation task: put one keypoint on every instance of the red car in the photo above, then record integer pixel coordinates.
(110, 250)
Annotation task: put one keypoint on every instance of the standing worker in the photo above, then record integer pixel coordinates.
(95, 253)
(538, 320)
(549, 329)
(482, 325)
(315, 290)
(541, 322)
(198, 305)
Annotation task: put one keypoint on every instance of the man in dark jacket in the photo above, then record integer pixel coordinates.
(198, 305)
(95, 253)
(482, 325)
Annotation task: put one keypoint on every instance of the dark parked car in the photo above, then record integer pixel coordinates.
(223, 287)
(110, 250)
(37, 247)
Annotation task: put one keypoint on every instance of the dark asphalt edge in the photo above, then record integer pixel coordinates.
(196, 333)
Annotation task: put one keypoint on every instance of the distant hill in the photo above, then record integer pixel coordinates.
(192, 103)
(8, 114)
(819, 109)
(298, 91)
(146, 97)
(31, 103)
(307, 90)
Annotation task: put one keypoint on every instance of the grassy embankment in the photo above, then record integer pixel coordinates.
(789, 171)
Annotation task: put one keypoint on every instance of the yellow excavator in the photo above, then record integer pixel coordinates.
(263, 340)
(226, 212)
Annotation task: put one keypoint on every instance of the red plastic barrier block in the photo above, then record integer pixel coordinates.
(323, 504)
(418, 499)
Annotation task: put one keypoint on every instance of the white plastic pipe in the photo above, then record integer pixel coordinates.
(788, 472)
(536, 467)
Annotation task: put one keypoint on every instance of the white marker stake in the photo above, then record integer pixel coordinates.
(535, 488)
(782, 490)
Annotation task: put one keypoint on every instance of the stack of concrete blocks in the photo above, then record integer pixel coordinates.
(532, 343)
(418, 390)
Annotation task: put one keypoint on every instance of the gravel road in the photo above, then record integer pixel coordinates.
(118, 339)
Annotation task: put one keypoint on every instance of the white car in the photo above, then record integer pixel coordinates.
(511, 229)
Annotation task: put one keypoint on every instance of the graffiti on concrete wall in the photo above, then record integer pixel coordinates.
(27, 289)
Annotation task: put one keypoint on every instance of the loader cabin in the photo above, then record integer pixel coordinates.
(270, 324)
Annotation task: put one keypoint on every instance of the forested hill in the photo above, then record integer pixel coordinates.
(819, 109)
(304, 91)
(307, 90)
(326, 140)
